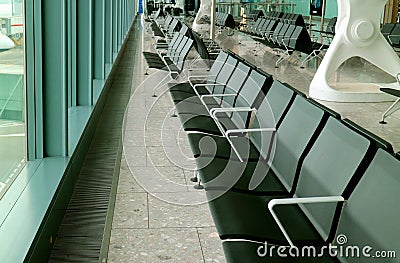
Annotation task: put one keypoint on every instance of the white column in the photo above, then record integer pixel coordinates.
(357, 34)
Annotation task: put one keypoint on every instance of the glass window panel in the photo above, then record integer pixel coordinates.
(12, 92)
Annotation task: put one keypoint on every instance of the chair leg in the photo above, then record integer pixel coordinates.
(258, 44)
(195, 178)
(283, 56)
(199, 186)
(158, 86)
(310, 57)
(174, 113)
(387, 113)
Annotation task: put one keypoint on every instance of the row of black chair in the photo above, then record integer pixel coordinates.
(153, 16)
(166, 27)
(285, 39)
(162, 42)
(330, 30)
(274, 14)
(207, 52)
(263, 24)
(172, 60)
(171, 53)
(283, 170)
(255, 14)
(224, 20)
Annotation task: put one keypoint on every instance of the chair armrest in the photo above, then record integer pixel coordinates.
(214, 111)
(390, 40)
(203, 97)
(300, 200)
(206, 85)
(229, 132)
(198, 77)
(168, 56)
(218, 95)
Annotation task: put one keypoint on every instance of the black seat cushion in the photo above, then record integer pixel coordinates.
(219, 147)
(394, 92)
(241, 215)
(204, 123)
(217, 173)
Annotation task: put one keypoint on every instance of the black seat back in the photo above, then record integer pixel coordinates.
(301, 40)
(387, 29)
(201, 47)
(370, 216)
(298, 20)
(330, 28)
(394, 36)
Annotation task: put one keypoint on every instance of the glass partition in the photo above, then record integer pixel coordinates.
(241, 8)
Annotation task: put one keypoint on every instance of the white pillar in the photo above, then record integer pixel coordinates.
(204, 10)
(357, 34)
(212, 19)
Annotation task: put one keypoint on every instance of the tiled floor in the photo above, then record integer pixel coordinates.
(159, 217)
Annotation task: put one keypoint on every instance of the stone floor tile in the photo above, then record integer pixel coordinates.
(135, 155)
(169, 245)
(211, 245)
(184, 210)
(131, 211)
(160, 179)
(126, 181)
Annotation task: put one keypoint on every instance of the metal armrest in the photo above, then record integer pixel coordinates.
(203, 97)
(205, 85)
(218, 95)
(199, 77)
(228, 132)
(390, 40)
(300, 200)
(214, 111)
(167, 56)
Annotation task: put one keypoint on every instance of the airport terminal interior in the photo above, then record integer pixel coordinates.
(199, 131)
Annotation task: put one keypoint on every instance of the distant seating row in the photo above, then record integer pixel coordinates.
(263, 24)
(254, 15)
(221, 20)
(282, 170)
(166, 27)
(172, 60)
(171, 52)
(391, 31)
(285, 39)
(224, 20)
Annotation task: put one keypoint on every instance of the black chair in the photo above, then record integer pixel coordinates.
(187, 88)
(255, 87)
(219, 73)
(254, 15)
(269, 111)
(387, 29)
(172, 62)
(394, 37)
(329, 32)
(153, 16)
